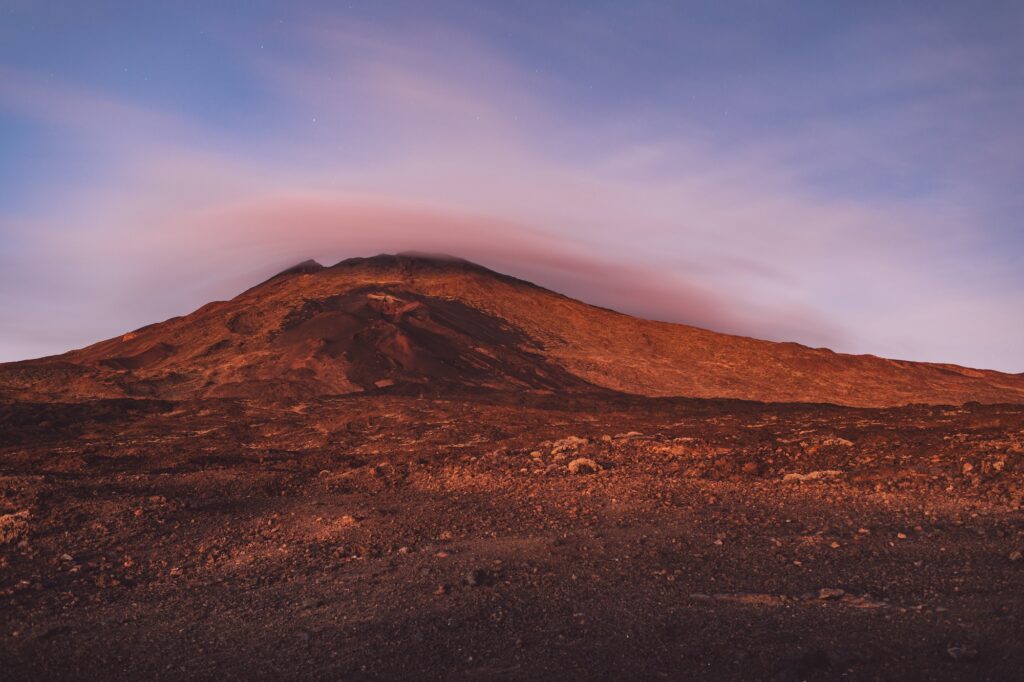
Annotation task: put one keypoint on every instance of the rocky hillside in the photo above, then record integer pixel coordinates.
(418, 324)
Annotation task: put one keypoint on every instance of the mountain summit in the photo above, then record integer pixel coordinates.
(413, 322)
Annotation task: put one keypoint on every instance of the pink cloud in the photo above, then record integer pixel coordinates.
(273, 232)
(413, 151)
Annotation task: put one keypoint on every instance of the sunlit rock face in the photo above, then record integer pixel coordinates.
(423, 324)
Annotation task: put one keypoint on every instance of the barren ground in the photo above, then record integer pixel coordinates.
(388, 536)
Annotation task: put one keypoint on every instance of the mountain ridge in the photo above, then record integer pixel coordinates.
(439, 323)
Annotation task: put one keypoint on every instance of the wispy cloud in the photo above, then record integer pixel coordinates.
(427, 139)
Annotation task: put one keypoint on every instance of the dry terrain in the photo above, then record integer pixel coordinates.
(409, 469)
(392, 537)
(415, 321)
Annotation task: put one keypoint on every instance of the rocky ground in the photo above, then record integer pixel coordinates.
(497, 537)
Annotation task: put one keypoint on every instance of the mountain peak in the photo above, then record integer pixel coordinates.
(416, 321)
(412, 260)
(307, 266)
(411, 263)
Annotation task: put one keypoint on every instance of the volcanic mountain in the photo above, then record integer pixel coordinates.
(412, 323)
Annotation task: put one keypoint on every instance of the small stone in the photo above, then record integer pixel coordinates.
(176, 571)
(570, 444)
(441, 590)
(404, 550)
(901, 536)
(834, 545)
(968, 467)
(824, 475)
(446, 536)
(66, 557)
(536, 454)
(962, 652)
(1016, 555)
(830, 593)
(477, 577)
(583, 465)
(751, 468)
(13, 527)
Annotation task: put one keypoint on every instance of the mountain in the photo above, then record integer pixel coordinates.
(417, 323)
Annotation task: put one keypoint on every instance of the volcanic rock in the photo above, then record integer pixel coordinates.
(415, 324)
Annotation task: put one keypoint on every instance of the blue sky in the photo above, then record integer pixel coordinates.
(839, 174)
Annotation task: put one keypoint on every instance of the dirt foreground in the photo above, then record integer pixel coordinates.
(496, 537)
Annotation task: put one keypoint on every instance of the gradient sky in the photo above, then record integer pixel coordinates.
(839, 174)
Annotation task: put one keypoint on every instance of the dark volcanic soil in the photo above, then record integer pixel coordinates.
(388, 536)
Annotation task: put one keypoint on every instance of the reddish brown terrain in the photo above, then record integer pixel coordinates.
(411, 322)
(411, 468)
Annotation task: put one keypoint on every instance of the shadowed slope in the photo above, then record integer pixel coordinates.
(429, 323)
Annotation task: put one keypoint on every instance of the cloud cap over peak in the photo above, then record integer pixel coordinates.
(835, 176)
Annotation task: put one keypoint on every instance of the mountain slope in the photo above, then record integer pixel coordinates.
(411, 322)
